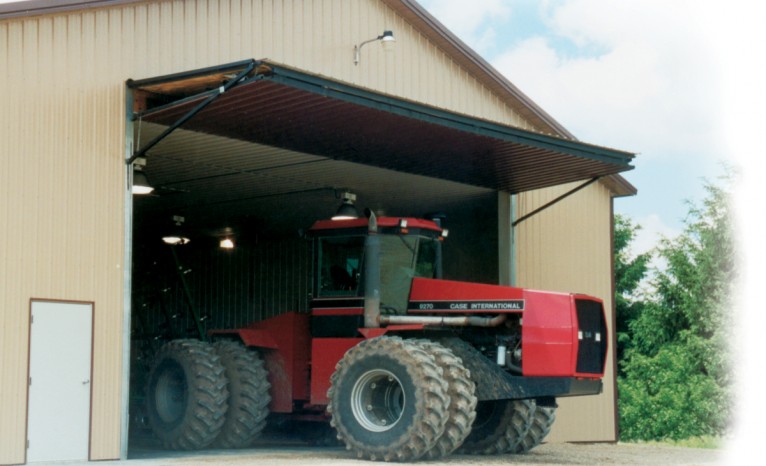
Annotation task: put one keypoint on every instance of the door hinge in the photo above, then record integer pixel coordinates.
(27, 444)
(30, 381)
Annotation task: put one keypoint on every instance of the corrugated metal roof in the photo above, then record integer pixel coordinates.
(289, 109)
(217, 181)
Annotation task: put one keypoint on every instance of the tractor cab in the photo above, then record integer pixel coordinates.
(408, 248)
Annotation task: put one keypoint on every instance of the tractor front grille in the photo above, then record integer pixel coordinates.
(591, 333)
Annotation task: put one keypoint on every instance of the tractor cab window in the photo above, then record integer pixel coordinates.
(340, 259)
(425, 266)
(401, 259)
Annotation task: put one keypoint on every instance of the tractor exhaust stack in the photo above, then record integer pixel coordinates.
(372, 273)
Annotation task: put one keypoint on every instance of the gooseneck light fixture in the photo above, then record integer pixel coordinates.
(347, 211)
(386, 39)
(140, 181)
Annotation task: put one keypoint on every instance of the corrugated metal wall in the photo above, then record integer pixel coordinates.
(568, 248)
(62, 143)
(229, 288)
(61, 209)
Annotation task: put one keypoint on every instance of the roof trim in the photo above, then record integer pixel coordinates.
(41, 7)
(619, 186)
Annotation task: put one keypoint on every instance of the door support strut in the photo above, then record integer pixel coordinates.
(142, 151)
(555, 201)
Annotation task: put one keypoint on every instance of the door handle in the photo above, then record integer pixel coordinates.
(86, 382)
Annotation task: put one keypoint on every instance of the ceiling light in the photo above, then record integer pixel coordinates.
(175, 236)
(347, 211)
(140, 181)
(386, 39)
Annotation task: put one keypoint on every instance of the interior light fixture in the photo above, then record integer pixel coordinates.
(140, 181)
(387, 40)
(347, 211)
(175, 236)
(227, 243)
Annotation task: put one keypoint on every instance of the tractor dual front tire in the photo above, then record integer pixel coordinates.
(462, 406)
(388, 400)
(186, 395)
(248, 395)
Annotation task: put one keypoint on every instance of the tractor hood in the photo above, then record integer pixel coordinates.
(563, 334)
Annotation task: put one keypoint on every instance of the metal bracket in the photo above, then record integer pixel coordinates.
(555, 201)
(237, 79)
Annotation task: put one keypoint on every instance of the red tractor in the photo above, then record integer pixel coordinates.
(403, 364)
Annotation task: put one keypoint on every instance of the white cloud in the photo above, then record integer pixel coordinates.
(652, 231)
(475, 24)
(650, 86)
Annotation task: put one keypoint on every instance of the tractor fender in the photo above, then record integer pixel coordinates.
(493, 383)
(250, 337)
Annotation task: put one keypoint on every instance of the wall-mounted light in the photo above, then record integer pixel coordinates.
(175, 236)
(347, 211)
(386, 39)
(140, 181)
(226, 243)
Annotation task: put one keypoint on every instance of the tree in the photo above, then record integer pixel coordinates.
(628, 274)
(675, 380)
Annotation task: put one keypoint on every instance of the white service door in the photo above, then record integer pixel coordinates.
(59, 390)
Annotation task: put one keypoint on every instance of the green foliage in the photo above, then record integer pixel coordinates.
(674, 380)
(667, 396)
(628, 275)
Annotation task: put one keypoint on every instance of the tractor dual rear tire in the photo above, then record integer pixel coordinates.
(186, 395)
(499, 427)
(248, 395)
(388, 400)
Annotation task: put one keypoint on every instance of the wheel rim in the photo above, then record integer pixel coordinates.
(170, 394)
(377, 400)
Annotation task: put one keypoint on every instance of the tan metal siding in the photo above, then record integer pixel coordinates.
(62, 212)
(567, 248)
(62, 145)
